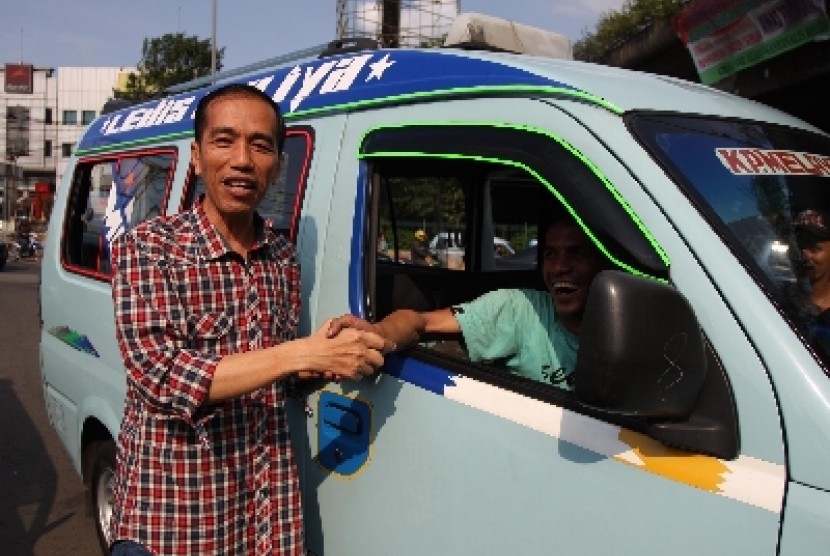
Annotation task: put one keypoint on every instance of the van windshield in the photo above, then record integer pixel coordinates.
(766, 190)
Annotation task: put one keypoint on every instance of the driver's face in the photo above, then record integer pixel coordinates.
(570, 262)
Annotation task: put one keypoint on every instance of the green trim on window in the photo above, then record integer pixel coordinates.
(515, 164)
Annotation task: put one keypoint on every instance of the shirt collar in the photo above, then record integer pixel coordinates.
(211, 243)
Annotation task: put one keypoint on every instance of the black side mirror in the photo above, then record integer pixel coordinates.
(641, 351)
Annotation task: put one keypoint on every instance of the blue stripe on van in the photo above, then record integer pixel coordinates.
(356, 255)
(325, 84)
(428, 377)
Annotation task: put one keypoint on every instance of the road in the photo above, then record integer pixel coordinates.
(42, 505)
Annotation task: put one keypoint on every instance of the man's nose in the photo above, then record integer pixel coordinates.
(241, 155)
(561, 263)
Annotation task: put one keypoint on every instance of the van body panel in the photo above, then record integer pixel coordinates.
(805, 521)
(315, 225)
(782, 351)
(504, 479)
(696, 254)
(439, 466)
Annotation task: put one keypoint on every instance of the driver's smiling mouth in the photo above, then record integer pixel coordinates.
(564, 287)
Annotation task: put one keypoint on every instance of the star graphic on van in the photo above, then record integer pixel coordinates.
(379, 67)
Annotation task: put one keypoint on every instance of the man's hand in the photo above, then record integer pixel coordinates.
(349, 321)
(349, 353)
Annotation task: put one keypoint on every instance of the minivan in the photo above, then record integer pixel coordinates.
(700, 418)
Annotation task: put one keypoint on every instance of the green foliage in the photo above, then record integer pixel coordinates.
(614, 28)
(168, 60)
(434, 204)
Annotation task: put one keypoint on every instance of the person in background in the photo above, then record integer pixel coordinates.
(419, 252)
(383, 244)
(534, 333)
(813, 238)
(206, 309)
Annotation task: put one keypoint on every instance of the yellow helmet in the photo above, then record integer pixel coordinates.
(420, 235)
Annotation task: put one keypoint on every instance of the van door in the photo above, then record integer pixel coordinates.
(442, 455)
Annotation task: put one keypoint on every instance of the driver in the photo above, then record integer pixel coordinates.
(534, 333)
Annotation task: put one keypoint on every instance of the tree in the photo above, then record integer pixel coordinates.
(168, 60)
(614, 28)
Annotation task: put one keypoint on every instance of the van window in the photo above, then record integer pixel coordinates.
(484, 193)
(764, 189)
(108, 196)
(283, 201)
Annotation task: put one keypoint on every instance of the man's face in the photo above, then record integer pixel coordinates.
(816, 256)
(237, 155)
(570, 262)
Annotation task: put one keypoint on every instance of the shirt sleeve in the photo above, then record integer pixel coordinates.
(171, 379)
(489, 325)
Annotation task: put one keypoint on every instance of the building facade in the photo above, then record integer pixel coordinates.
(46, 110)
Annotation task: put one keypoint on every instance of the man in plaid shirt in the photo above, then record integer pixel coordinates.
(206, 306)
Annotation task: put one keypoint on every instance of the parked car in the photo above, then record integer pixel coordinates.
(449, 247)
(4, 253)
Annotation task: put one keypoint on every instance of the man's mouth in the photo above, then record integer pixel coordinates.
(239, 183)
(564, 288)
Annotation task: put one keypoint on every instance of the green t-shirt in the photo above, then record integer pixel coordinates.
(520, 329)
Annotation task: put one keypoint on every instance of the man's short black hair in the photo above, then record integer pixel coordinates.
(237, 89)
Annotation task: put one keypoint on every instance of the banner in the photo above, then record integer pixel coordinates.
(726, 36)
(19, 78)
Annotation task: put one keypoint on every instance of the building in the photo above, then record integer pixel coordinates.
(46, 110)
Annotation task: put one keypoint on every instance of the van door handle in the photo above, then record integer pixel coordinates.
(343, 433)
(343, 418)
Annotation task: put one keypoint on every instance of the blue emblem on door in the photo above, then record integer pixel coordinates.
(343, 433)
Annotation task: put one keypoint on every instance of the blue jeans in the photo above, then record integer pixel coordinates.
(129, 548)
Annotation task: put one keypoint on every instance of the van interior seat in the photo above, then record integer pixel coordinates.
(427, 289)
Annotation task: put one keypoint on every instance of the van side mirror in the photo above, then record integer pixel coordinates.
(641, 351)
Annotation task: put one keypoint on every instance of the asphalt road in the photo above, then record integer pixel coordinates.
(42, 504)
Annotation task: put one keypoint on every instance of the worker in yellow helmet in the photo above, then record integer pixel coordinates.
(419, 252)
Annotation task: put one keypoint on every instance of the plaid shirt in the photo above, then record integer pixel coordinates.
(194, 477)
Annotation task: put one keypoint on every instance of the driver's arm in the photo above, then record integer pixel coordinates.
(403, 328)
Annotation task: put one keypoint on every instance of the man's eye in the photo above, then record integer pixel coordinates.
(263, 146)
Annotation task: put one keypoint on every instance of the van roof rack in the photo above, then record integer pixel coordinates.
(351, 44)
(474, 31)
(297, 55)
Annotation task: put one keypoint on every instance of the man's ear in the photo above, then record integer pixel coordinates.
(194, 158)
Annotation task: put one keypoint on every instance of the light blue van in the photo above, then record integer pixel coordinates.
(700, 418)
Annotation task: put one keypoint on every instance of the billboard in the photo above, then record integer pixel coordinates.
(726, 36)
(19, 78)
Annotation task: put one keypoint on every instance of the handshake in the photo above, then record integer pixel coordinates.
(346, 348)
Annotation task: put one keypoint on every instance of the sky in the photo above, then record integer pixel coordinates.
(109, 33)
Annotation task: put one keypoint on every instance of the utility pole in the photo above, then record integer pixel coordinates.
(213, 42)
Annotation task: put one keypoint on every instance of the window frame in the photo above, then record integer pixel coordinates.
(88, 116)
(67, 120)
(80, 173)
(495, 144)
